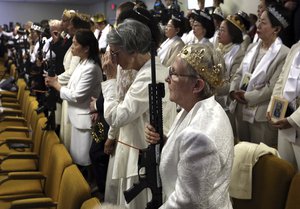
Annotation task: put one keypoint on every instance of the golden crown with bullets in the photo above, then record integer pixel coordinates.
(200, 57)
(235, 21)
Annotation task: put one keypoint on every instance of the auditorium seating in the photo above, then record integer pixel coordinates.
(31, 161)
(293, 200)
(20, 185)
(271, 179)
(92, 203)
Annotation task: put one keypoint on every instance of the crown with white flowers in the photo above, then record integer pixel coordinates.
(278, 16)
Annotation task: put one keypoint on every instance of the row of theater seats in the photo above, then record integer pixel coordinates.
(36, 170)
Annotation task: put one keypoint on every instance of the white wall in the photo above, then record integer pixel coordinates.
(232, 6)
(22, 11)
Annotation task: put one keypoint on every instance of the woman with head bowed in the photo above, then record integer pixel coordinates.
(197, 156)
(131, 50)
(252, 86)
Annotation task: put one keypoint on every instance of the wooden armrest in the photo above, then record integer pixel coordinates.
(20, 155)
(11, 105)
(23, 175)
(41, 202)
(12, 118)
(15, 129)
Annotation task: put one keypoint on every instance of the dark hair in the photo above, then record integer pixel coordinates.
(78, 22)
(86, 38)
(178, 23)
(128, 5)
(244, 18)
(140, 3)
(145, 17)
(235, 33)
(207, 23)
(282, 11)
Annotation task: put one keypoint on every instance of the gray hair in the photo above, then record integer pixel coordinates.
(54, 23)
(208, 91)
(132, 36)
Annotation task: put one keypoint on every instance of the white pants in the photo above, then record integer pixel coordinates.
(290, 152)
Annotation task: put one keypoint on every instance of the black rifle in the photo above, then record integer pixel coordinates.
(50, 98)
(149, 158)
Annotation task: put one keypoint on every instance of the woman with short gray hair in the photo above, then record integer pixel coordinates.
(130, 46)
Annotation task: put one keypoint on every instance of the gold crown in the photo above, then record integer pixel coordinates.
(235, 21)
(98, 18)
(200, 57)
(69, 13)
(84, 17)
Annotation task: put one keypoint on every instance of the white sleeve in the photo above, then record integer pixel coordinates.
(135, 103)
(197, 166)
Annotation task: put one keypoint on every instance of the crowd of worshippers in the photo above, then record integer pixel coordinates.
(227, 78)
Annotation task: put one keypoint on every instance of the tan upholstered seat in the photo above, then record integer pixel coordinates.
(74, 190)
(31, 183)
(92, 203)
(271, 179)
(293, 200)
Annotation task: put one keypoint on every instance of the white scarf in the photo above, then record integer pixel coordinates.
(258, 77)
(229, 57)
(292, 86)
(165, 47)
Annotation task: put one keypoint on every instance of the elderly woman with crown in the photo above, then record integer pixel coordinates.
(252, 86)
(197, 156)
(230, 38)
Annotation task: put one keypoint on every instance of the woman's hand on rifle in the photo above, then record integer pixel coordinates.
(152, 136)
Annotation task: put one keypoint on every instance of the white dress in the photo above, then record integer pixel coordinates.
(197, 158)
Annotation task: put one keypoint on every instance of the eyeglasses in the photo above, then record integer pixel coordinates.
(114, 54)
(175, 76)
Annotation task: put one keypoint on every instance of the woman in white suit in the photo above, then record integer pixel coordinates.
(230, 38)
(85, 82)
(254, 81)
(196, 159)
(170, 48)
(289, 127)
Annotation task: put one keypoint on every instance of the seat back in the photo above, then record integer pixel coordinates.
(74, 189)
(60, 159)
(21, 89)
(271, 177)
(50, 138)
(37, 134)
(293, 200)
(92, 203)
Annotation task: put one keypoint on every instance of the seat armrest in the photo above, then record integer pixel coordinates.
(20, 155)
(15, 129)
(23, 175)
(41, 202)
